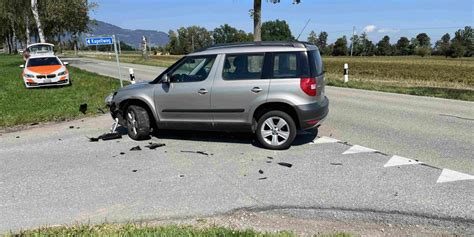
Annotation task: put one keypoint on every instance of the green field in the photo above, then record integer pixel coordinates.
(428, 76)
(144, 230)
(19, 105)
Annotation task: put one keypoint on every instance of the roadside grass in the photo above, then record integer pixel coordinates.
(429, 76)
(19, 105)
(145, 230)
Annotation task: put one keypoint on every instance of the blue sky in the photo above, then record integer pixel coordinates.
(337, 17)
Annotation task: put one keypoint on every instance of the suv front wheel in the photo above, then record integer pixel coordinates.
(138, 122)
(276, 130)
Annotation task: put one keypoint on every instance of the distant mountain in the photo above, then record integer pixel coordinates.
(130, 37)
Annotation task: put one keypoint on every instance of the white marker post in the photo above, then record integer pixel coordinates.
(132, 75)
(118, 63)
(346, 72)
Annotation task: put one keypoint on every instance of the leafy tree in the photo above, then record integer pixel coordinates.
(368, 48)
(312, 38)
(188, 39)
(340, 47)
(383, 46)
(423, 40)
(173, 46)
(256, 14)
(276, 31)
(322, 43)
(442, 45)
(457, 49)
(465, 38)
(229, 34)
(403, 46)
(423, 51)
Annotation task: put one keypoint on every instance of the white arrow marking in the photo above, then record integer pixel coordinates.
(448, 175)
(358, 149)
(323, 140)
(398, 160)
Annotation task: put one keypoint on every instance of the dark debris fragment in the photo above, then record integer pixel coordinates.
(33, 124)
(110, 136)
(136, 148)
(336, 163)
(197, 152)
(93, 139)
(269, 157)
(260, 171)
(71, 127)
(83, 108)
(17, 136)
(134, 171)
(153, 146)
(122, 153)
(285, 164)
(262, 178)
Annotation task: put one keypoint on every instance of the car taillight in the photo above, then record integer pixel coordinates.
(308, 85)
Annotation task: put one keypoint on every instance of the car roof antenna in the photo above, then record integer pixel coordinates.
(307, 22)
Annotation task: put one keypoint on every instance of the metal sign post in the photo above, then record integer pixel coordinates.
(107, 41)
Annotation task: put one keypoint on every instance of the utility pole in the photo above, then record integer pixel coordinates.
(352, 39)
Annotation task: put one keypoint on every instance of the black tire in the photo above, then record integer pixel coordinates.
(289, 130)
(140, 129)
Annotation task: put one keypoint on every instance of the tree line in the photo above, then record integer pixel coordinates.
(25, 21)
(189, 39)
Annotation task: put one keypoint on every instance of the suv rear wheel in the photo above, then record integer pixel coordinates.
(276, 130)
(138, 122)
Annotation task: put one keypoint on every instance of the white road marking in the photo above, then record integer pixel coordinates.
(358, 149)
(323, 140)
(398, 160)
(448, 175)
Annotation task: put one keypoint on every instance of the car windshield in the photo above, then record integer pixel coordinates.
(33, 62)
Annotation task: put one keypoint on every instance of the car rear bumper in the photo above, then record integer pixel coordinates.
(312, 115)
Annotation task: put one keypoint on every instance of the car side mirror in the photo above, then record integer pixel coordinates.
(65, 63)
(22, 66)
(165, 79)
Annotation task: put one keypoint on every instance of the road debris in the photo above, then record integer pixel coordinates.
(134, 171)
(260, 171)
(197, 152)
(136, 148)
(33, 124)
(93, 139)
(181, 175)
(83, 108)
(71, 127)
(262, 178)
(269, 157)
(153, 145)
(269, 161)
(17, 136)
(110, 136)
(122, 153)
(336, 163)
(285, 164)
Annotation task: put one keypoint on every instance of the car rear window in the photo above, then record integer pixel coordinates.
(316, 63)
(243, 66)
(34, 62)
(289, 65)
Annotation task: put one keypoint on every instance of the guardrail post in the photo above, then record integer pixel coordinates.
(132, 75)
(346, 72)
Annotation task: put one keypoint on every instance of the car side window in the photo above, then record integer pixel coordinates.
(285, 65)
(193, 69)
(243, 66)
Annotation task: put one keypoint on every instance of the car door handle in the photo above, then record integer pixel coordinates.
(256, 89)
(203, 91)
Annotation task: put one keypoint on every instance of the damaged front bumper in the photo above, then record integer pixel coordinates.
(114, 108)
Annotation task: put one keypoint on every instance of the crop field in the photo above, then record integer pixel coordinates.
(429, 76)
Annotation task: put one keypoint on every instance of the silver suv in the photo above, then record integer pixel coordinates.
(272, 89)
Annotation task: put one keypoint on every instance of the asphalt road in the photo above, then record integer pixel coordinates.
(436, 131)
(51, 174)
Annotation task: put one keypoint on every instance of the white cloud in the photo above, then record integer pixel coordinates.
(369, 28)
(388, 30)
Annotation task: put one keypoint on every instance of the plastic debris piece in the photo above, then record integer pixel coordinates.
(285, 164)
(110, 136)
(134, 171)
(181, 175)
(269, 157)
(153, 146)
(262, 178)
(136, 148)
(336, 163)
(260, 171)
(93, 139)
(17, 136)
(83, 108)
(71, 127)
(122, 153)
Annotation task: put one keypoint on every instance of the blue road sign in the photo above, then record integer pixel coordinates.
(99, 41)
